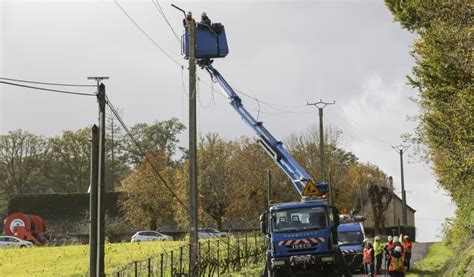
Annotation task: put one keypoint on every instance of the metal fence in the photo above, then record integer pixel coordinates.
(218, 256)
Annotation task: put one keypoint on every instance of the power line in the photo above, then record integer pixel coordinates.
(44, 83)
(146, 35)
(162, 13)
(51, 90)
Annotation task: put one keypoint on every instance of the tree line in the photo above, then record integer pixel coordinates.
(232, 180)
(442, 77)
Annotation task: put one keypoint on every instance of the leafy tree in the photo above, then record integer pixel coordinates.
(214, 178)
(67, 162)
(157, 137)
(21, 154)
(147, 202)
(443, 77)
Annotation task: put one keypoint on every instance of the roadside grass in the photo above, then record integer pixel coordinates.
(73, 260)
(462, 263)
(250, 271)
(434, 262)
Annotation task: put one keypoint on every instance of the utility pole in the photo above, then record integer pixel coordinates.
(321, 105)
(193, 189)
(100, 176)
(400, 149)
(269, 191)
(93, 202)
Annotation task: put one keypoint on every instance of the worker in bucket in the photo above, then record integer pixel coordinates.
(407, 245)
(378, 252)
(368, 258)
(205, 20)
(188, 18)
(397, 260)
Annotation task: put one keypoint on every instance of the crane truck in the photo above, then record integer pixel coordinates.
(302, 236)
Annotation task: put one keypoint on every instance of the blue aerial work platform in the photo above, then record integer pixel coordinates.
(211, 41)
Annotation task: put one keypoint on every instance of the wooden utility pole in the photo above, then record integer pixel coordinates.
(321, 105)
(93, 190)
(269, 190)
(101, 99)
(193, 189)
(400, 149)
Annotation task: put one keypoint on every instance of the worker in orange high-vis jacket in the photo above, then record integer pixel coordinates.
(397, 266)
(407, 246)
(387, 249)
(368, 258)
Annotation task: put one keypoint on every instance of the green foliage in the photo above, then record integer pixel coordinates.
(434, 262)
(443, 77)
(74, 260)
(161, 136)
(21, 155)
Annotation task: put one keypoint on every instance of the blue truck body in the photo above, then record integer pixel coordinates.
(351, 237)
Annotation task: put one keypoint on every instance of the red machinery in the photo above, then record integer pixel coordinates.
(25, 227)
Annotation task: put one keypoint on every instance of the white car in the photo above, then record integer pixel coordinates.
(9, 241)
(207, 233)
(149, 236)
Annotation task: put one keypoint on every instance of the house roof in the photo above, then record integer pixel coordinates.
(397, 197)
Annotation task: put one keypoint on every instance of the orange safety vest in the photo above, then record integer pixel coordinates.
(397, 264)
(407, 246)
(368, 255)
(390, 245)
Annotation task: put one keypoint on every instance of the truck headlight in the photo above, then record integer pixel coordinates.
(327, 259)
(276, 263)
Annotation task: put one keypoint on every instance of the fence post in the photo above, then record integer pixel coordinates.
(218, 259)
(246, 246)
(172, 269)
(228, 255)
(180, 260)
(149, 267)
(136, 269)
(238, 253)
(161, 265)
(256, 244)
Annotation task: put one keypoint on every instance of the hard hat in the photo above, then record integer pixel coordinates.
(377, 238)
(395, 239)
(406, 237)
(204, 14)
(390, 238)
(398, 249)
(365, 240)
(190, 14)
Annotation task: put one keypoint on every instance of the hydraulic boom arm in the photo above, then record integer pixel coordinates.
(299, 177)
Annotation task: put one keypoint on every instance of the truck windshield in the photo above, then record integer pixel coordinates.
(294, 220)
(350, 237)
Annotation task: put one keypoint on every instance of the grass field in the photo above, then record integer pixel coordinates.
(433, 263)
(74, 260)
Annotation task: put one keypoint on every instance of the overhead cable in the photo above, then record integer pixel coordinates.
(147, 36)
(45, 83)
(162, 13)
(51, 90)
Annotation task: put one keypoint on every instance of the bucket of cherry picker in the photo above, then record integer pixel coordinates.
(211, 42)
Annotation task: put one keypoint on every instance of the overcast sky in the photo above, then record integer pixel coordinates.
(283, 52)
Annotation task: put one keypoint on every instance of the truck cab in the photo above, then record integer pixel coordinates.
(302, 236)
(350, 240)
